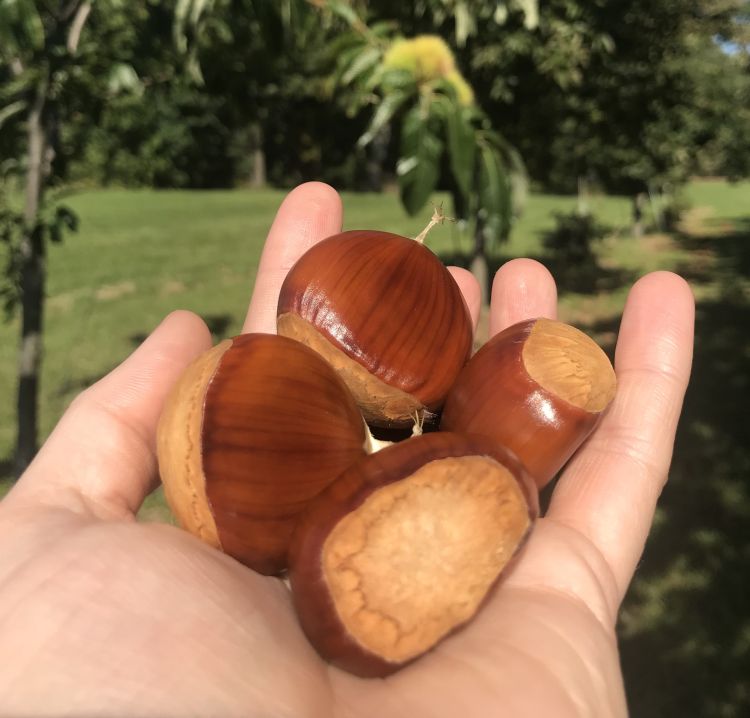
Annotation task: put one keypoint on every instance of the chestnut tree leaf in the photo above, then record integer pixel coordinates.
(344, 10)
(363, 62)
(21, 28)
(462, 142)
(384, 113)
(418, 169)
(495, 193)
(10, 110)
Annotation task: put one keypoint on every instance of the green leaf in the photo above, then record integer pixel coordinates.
(55, 233)
(397, 79)
(344, 10)
(364, 61)
(462, 142)
(16, 87)
(494, 193)
(530, 10)
(123, 78)
(418, 168)
(12, 109)
(384, 29)
(465, 25)
(514, 168)
(21, 28)
(388, 107)
(345, 58)
(181, 11)
(54, 223)
(188, 16)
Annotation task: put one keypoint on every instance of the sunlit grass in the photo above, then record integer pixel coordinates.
(141, 254)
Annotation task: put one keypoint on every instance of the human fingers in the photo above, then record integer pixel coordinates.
(609, 490)
(522, 289)
(101, 457)
(469, 287)
(309, 213)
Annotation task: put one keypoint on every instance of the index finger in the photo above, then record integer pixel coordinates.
(308, 214)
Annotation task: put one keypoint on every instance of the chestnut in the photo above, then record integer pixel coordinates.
(539, 388)
(404, 547)
(254, 429)
(387, 315)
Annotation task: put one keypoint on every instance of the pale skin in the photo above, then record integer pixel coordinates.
(101, 615)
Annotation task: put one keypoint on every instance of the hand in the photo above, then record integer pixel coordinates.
(101, 615)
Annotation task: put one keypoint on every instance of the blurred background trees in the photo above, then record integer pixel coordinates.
(207, 94)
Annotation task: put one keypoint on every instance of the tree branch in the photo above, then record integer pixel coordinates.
(76, 27)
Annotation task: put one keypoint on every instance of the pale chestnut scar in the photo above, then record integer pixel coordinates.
(179, 447)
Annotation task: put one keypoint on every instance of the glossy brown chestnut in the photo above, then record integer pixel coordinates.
(404, 547)
(386, 314)
(539, 388)
(254, 429)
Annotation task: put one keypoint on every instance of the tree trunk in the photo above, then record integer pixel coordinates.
(479, 265)
(32, 288)
(639, 202)
(258, 175)
(583, 207)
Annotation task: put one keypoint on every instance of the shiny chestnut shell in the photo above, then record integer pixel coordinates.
(387, 314)
(254, 429)
(539, 388)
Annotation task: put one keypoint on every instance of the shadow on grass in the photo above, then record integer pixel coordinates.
(685, 626)
(6, 475)
(581, 278)
(719, 257)
(217, 325)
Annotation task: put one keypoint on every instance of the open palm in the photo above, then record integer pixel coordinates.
(101, 615)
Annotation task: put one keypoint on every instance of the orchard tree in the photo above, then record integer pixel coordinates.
(415, 87)
(611, 93)
(616, 88)
(60, 63)
(412, 87)
(39, 42)
(258, 58)
(55, 77)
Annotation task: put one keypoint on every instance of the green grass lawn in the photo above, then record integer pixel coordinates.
(140, 254)
(685, 631)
